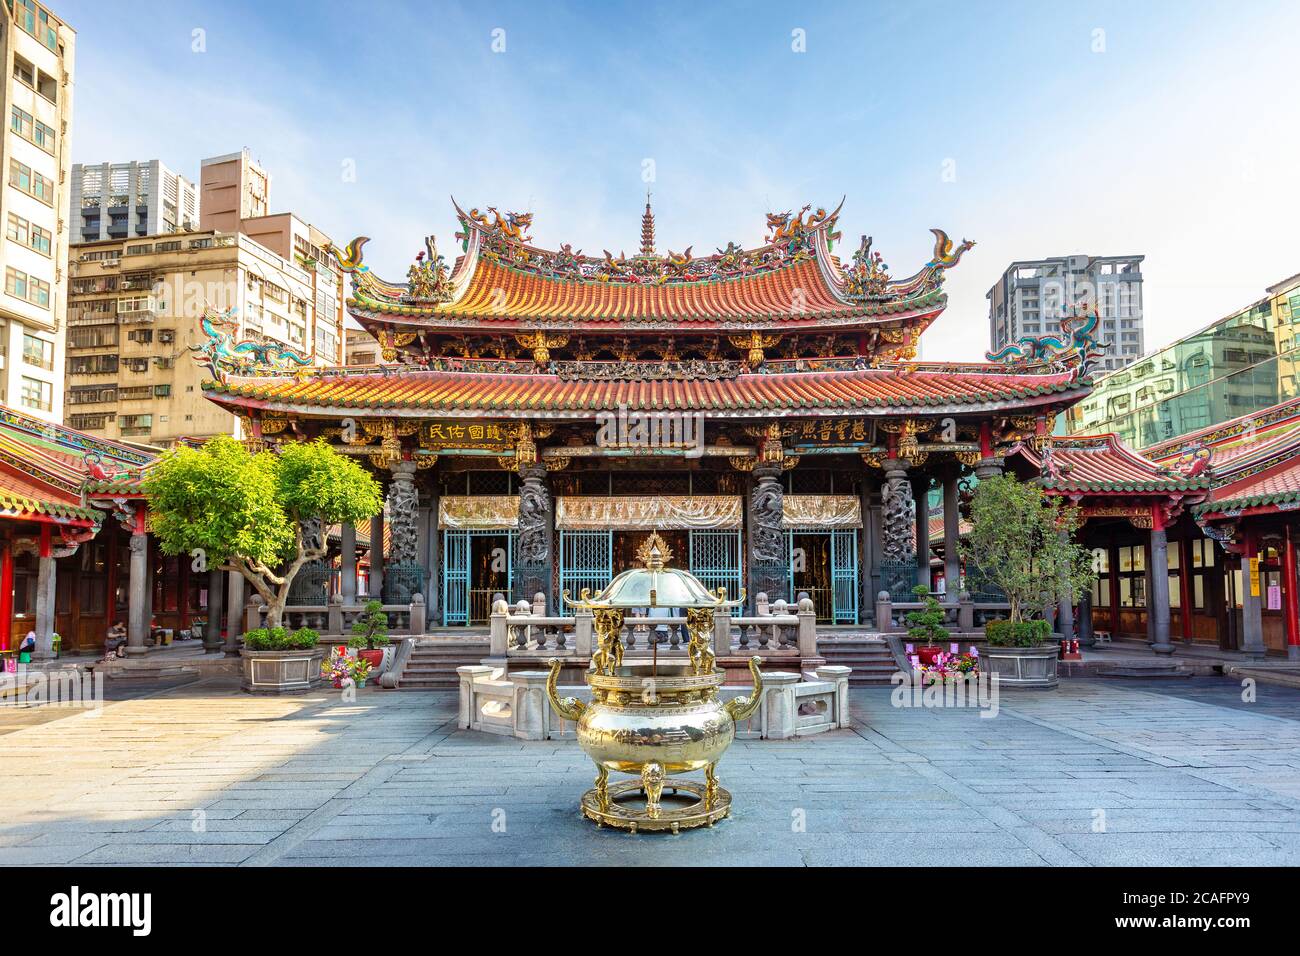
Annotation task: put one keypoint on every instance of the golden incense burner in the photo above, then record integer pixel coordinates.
(651, 721)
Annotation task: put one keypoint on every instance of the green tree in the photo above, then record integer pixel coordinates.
(1023, 541)
(247, 511)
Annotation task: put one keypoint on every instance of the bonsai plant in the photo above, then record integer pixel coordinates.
(927, 625)
(370, 631)
(1024, 543)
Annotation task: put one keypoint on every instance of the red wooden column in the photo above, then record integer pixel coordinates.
(1290, 599)
(6, 593)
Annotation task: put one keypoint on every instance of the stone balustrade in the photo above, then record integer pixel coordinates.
(515, 704)
(966, 615)
(524, 631)
(334, 620)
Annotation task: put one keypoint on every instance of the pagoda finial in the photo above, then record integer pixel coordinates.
(648, 229)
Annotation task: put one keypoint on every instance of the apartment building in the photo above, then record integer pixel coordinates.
(133, 316)
(38, 50)
(1032, 295)
(1237, 365)
(125, 200)
(234, 196)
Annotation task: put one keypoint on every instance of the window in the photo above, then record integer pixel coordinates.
(92, 365)
(142, 336)
(38, 352)
(31, 182)
(24, 72)
(22, 286)
(162, 391)
(37, 394)
(26, 234)
(93, 336)
(34, 20)
(173, 246)
(1132, 576)
(88, 422)
(92, 394)
(44, 137)
(1101, 584)
(20, 121)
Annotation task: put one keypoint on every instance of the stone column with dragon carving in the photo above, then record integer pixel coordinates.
(403, 574)
(534, 542)
(898, 550)
(768, 565)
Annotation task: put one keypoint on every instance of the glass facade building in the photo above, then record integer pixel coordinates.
(1236, 366)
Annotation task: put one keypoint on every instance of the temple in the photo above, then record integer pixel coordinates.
(763, 409)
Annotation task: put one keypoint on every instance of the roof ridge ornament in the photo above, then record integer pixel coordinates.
(1077, 345)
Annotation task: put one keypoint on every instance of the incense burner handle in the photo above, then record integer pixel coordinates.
(570, 708)
(741, 708)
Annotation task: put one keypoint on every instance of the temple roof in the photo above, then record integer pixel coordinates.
(45, 469)
(1262, 491)
(503, 282)
(515, 395)
(1103, 464)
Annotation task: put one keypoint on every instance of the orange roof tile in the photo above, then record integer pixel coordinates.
(443, 392)
(1103, 463)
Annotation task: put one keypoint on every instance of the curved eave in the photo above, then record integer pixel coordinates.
(777, 321)
(1155, 487)
(463, 396)
(26, 509)
(1246, 506)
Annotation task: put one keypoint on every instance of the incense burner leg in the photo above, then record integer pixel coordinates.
(602, 786)
(652, 781)
(710, 785)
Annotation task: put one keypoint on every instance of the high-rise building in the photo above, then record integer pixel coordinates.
(232, 188)
(38, 52)
(235, 195)
(1032, 295)
(123, 200)
(133, 316)
(1237, 365)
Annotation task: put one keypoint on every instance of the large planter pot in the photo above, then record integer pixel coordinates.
(927, 654)
(1022, 666)
(376, 659)
(281, 672)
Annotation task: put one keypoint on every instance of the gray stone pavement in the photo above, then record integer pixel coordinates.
(1098, 772)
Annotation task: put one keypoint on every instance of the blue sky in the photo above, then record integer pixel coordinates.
(1172, 132)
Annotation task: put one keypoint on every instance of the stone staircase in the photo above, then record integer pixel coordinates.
(868, 655)
(433, 663)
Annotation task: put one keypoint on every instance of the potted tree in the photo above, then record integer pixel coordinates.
(277, 661)
(926, 625)
(1024, 543)
(371, 636)
(252, 513)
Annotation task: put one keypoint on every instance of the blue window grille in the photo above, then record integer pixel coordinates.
(839, 602)
(715, 560)
(586, 561)
(461, 603)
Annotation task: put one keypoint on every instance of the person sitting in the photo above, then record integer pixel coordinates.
(115, 644)
(26, 648)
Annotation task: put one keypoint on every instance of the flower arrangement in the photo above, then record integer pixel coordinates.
(948, 668)
(340, 669)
